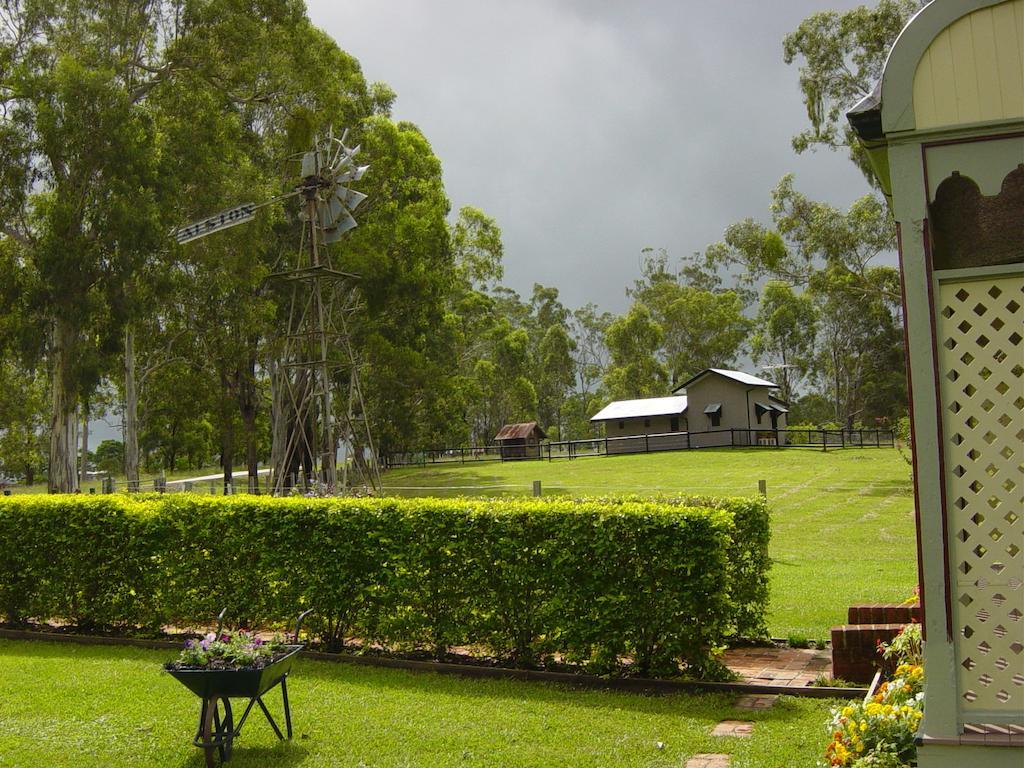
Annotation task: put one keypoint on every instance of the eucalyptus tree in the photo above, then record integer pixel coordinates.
(858, 356)
(703, 325)
(634, 370)
(784, 335)
(841, 55)
(78, 148)
(407, 272)
(588, 326)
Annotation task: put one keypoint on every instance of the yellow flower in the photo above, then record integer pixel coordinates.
(864, 725)
(847, 711)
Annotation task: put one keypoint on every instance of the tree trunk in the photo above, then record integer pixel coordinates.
(248, 406)
(63, 475)
(131, 413)
(278, 426)
(227, 429)
(84, 477)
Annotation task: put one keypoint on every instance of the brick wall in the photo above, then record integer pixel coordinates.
(855, 655)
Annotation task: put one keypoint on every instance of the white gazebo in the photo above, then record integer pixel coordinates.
(945, 134)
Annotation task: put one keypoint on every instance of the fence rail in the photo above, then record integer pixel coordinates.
(822, 439)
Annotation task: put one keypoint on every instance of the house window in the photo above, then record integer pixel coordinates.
(714, 414)
(760, 409)
(674, 424)
(622, 425)
(647, 423)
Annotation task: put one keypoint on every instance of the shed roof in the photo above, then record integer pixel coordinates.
(648, 406)
(743, 378)
(519, 431)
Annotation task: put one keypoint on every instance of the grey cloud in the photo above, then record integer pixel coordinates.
(592, 129)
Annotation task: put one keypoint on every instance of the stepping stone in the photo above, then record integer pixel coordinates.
(755, 702)
(742, 728)
(708, 761)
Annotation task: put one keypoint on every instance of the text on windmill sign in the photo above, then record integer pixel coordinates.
(237, 215)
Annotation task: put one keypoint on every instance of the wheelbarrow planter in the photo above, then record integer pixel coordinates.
(217, 729)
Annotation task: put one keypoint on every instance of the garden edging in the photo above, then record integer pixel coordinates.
(634, 684)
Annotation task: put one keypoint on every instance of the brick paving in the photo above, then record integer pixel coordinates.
(755, 702)
(740, 728)
(783, 667)
(708, 761)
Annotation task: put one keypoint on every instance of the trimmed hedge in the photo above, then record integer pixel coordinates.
(665, 583)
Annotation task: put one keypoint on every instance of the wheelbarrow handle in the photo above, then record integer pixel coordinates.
(298, 622)
(220, 621)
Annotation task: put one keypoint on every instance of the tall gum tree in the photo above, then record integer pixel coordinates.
(77, 144)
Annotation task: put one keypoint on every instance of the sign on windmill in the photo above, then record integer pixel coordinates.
(223, 220)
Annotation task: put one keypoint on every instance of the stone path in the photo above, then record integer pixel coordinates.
(739, 728)
(781, 667)
(708, 761)
(732, 728)
(755, 702)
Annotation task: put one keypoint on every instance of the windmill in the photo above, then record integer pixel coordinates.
(321, 299)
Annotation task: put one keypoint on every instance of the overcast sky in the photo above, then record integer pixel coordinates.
(589, 130)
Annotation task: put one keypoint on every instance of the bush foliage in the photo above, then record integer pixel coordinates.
(662, 582)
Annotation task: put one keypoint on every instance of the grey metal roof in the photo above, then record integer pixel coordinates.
(743, 378)
(648, 406)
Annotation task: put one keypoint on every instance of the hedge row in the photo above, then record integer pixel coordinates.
(664, 583)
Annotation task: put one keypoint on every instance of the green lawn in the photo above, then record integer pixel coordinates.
(64, 705)
(843, 527)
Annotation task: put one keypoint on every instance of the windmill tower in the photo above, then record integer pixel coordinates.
(306, 434)
(316, 351)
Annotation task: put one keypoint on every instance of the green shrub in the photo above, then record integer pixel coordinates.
(665, 583)
(749, 562)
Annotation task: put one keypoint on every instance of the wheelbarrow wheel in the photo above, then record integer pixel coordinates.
(218, 730)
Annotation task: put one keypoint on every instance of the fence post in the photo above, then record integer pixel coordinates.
(606, 444)
(842, 438)
(824, 441)
(647, 444)
(732, 437)
(536, 487)
(762, 487)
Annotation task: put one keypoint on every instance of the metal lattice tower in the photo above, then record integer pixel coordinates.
(317, 351)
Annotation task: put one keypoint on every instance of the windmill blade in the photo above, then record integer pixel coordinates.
(330, 211)
(344, 223)
(349, 198)
(352, 174)
(334, 234)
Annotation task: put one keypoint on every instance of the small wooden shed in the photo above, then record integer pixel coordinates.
(520, 441)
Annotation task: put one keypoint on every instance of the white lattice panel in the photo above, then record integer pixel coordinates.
(981, 369)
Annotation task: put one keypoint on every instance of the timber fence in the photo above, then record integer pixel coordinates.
(820, 439)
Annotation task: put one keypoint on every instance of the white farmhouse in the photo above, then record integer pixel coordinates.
(717, 407)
